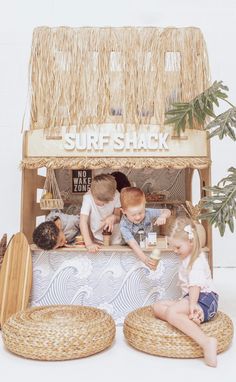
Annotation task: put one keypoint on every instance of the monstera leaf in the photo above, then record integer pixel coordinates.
(191, 114)
(224, 125)
(221, 204)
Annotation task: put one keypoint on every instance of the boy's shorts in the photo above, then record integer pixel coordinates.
(209, 304)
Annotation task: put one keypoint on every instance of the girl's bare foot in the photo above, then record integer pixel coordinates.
(210, 352)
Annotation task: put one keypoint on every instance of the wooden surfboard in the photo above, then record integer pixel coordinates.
(15, 277)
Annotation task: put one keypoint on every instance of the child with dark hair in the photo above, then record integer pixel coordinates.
(56, 231)
(121, 180)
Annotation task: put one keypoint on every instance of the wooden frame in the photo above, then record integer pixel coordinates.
(30, 208)
(31, 181)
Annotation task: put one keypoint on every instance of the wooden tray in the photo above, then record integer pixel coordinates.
(15, 277)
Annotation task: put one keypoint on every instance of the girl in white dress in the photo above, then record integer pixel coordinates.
(199, 300)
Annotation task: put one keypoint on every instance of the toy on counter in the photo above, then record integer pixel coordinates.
(79, 241)
(151, 239)
(106, 237)
(142, 239)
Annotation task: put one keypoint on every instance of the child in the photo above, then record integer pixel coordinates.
(136, 217)
(56, 231)
(100, 210)
(200, 301)
(121, 180)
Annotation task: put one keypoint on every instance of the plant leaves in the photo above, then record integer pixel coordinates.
(220, 205)
(224, 125)
(190, 114)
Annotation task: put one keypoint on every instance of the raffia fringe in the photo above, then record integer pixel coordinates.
(80, 76)
(116, 163)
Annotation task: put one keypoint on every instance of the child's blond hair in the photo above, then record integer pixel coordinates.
(103, 187)
(179, 229)
(131, 197)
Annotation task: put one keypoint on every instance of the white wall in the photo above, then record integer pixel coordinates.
(217, 19)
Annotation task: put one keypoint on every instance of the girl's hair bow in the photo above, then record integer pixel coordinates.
(189, 231)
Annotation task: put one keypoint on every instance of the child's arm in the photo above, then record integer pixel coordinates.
(128, 237)
(140, 254)
(84, 228)
(117, 214)
(110, 220)
(165, 214)
(130, 240)
(194, 308)
(196, 280)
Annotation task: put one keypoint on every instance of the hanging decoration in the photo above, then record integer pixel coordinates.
(51, 197)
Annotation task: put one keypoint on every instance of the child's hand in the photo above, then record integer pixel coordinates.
(150, 263)
(160, 221)
(93, 248)
(109, 222)
(196, 313)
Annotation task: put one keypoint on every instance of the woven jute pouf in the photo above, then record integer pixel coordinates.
(58, 332)
(145, 332)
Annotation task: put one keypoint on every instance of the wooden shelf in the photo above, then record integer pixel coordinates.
(71, 201)
(173, 202)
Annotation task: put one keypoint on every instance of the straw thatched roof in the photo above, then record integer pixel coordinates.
(124, 75)
(97, 76)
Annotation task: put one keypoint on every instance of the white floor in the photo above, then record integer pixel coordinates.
(123, 363)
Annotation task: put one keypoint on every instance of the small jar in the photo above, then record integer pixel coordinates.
(106, 237)
(142, 239)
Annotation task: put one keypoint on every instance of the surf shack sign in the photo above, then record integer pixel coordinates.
(125, 142)
(110, 140)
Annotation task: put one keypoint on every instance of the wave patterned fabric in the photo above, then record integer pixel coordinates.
(114, 281)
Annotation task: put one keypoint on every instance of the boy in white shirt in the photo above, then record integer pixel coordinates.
(100, 210)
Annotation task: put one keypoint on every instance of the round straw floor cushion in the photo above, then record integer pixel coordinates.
(58, 332)
(146, 333)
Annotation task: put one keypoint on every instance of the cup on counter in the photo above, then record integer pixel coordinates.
(156, 256)
(106, 237)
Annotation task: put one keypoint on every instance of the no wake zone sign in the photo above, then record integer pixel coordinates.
(81, 181)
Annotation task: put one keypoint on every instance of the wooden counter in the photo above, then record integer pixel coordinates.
(161, 244)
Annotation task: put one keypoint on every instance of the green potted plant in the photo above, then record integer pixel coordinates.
(220, 203)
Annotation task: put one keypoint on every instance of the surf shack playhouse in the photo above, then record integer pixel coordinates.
(98, 103)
